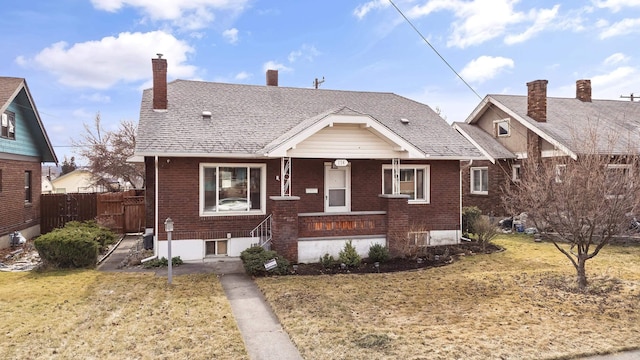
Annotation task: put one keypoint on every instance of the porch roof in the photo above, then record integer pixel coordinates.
(249, 121)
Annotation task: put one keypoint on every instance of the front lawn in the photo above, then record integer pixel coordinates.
(92, 315)
(517, 304)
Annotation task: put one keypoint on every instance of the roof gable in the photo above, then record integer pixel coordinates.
(15, 97)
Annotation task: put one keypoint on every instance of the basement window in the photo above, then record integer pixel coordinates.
(215, 247)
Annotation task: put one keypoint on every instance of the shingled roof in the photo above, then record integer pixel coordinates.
(569, 120)
(248, 120)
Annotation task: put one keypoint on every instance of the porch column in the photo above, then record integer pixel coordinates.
(397, 207)
(284, 227)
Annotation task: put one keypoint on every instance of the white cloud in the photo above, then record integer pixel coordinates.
(485, 68)
(479, 21)
(111, 60)
(187, 14)
(231, 35)
(616, 5)
(541, 21)
(620, 81)
(616, 58)
(272, 65)
(97, 98)
(623, 27)
(363, 9)
(243, 75)
(308, 52)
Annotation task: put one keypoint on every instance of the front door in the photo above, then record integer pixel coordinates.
(337, 188)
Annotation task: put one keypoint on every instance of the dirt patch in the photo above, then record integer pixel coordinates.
(433, 257)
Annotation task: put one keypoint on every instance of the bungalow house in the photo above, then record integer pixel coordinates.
(24, 146)
(507, 127)
(299, 170)
(85, 181)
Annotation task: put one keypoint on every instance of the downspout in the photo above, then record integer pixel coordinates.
(155, 200)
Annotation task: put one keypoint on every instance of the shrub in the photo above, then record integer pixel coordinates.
(485, 230)
(59, 250)
(469, 216)
(71, 246)
(327, 261)
(378, 253)
(255, 257)
(349, 256)
(163, 261)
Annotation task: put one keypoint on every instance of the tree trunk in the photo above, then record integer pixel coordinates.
(582, 274)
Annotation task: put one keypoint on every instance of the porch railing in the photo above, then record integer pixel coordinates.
(263, 233)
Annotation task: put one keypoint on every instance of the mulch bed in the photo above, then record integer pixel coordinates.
(433, 257)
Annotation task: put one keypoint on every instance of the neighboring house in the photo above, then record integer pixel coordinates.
(84, 181)
(47, 187)
(506, 127)
(24, 146)
(301, 170)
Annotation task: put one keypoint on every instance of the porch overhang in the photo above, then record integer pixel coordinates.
(394, 145)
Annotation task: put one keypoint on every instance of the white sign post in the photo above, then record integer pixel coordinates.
(168, 227)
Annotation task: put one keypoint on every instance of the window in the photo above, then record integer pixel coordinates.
(502, 127)
(480, 180)
(27, 186)
(419, 238)
(8, 125)
(232, 189)
(414, 181)
(515, 172)
(216, 247)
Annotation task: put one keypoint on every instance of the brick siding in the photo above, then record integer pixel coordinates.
(14, 213)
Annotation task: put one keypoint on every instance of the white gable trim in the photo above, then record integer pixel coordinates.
(403, 147)
(484, 106)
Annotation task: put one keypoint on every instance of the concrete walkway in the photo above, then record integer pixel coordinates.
(261, 331)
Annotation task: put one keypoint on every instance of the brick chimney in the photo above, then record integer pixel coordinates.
(537, 100)
(272, 77)
(159, 66)
(583, 90)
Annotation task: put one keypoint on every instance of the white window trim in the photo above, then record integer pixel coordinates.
(496, 124)
(514, 173)
(472, 178)
(427, 180)
(263, 189)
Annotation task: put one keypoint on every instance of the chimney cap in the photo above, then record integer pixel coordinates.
(159, 55)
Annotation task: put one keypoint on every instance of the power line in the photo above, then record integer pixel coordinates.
(435, 50)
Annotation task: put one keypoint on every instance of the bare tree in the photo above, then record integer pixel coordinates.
(580, 204)
(108, 151)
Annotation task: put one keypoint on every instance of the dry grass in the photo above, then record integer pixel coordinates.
(93, 315)
(518, 304)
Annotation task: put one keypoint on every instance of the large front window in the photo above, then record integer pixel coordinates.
(228, 189)
(414, 181)
(480, 180)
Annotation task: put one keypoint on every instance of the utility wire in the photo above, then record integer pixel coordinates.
(434, 49)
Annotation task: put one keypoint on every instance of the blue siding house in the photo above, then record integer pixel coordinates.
(24, 146)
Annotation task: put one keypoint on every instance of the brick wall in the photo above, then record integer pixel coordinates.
(14, 213)
(499, 174)
(179, 195)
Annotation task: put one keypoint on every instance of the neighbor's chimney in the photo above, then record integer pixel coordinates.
(159, 66)
(272, 77)
(537, 100)
(583, 90)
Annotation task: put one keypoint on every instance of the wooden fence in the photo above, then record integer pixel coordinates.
(122, 212)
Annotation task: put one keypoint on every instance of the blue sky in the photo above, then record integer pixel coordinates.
(81, 57)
